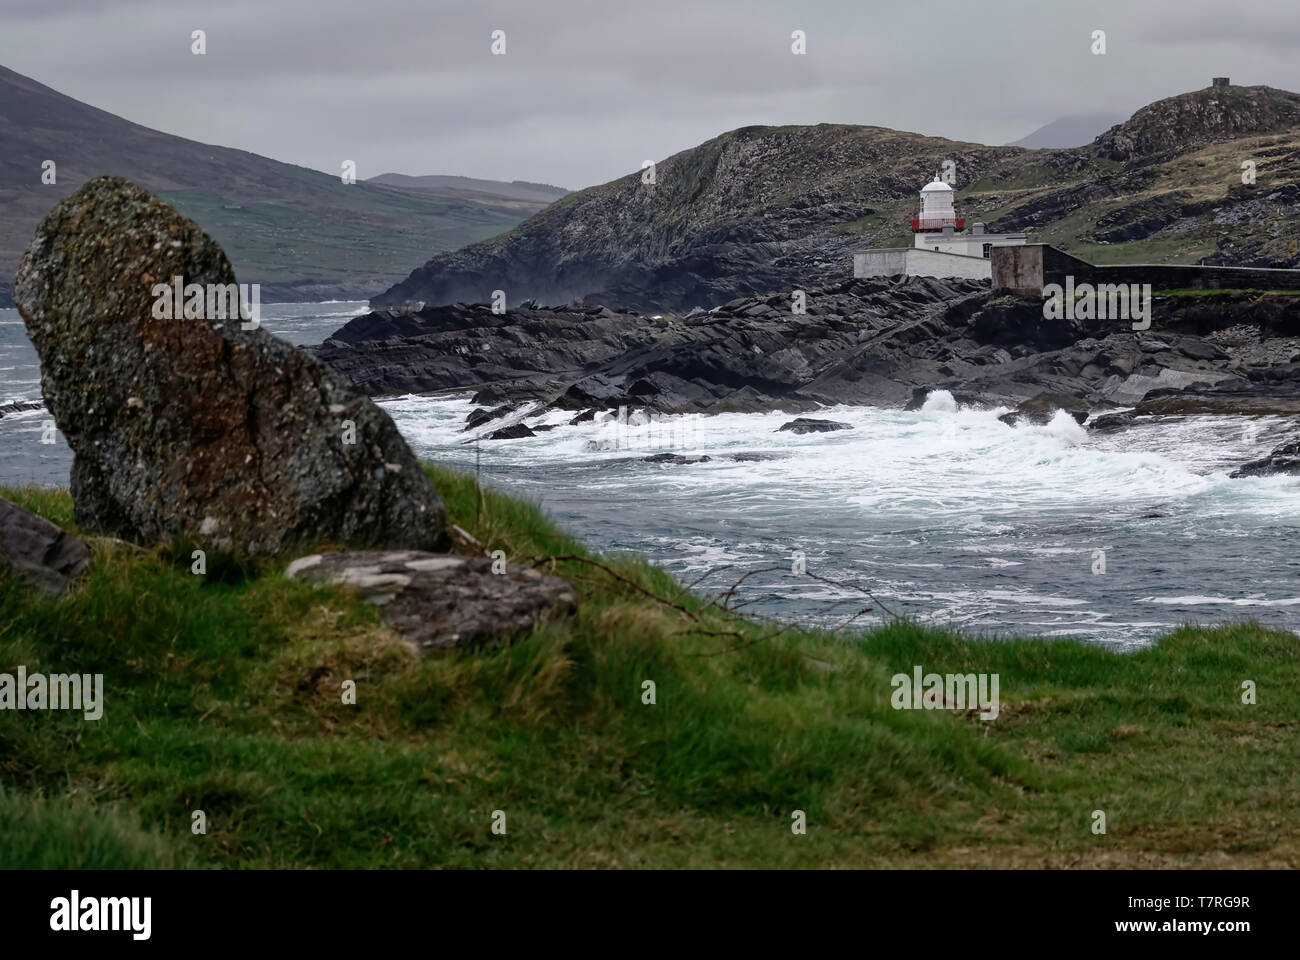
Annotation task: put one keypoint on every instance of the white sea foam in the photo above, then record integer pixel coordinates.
(944, 513)
(911, 503)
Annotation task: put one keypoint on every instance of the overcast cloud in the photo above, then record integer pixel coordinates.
(590, 88)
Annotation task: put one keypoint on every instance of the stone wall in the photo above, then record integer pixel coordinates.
(1027, 269)
(914, 262)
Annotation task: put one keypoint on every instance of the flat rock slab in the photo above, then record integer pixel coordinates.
(437, 601)
(675, 458)
(806, 425)
(38, 551)
(20, 406)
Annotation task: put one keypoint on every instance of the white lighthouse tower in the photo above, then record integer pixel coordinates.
(936, 210)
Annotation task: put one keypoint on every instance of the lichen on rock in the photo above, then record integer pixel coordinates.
(198, 427)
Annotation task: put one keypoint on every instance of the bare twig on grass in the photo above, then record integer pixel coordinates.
(573, 557)
(728, 594)
(722, 602)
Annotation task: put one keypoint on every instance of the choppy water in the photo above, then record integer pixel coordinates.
(944, 513)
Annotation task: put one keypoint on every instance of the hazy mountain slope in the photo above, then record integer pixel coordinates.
(774, 208)
(299, 232)
(516, 194)
(1065, 132)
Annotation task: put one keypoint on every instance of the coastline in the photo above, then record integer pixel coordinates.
(748, 723)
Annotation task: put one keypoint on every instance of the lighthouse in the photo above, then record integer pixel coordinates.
(942, 246)
(936, 209)
(938, 226)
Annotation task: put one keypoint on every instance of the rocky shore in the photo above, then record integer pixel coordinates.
(884, 341)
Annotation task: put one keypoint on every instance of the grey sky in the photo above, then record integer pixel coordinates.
(590, 88)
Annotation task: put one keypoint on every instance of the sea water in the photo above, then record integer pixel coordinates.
(943, 514)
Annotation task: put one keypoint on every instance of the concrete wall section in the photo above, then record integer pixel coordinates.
(886, 262)
(1018, 269)
(966, 244)
(910, 261)
(1027, 269)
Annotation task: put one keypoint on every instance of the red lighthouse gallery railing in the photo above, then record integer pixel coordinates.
(957, 223)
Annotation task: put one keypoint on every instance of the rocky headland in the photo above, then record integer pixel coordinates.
(763, 209)
(740, 223)
(885, 342)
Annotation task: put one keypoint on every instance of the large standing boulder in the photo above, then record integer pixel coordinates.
(196, 427)
(43, 554)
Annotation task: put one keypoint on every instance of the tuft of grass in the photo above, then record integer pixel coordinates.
(67, 833)
(224, 694)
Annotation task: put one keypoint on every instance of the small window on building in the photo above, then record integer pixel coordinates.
(936, 249)
(988, 250)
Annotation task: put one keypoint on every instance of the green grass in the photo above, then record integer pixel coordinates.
(222, 694)
(369, 233)
(1194, 294)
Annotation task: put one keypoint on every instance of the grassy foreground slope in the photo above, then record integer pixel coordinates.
(222, 694)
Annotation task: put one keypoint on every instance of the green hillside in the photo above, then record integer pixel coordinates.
(222, 694)
(301, 233)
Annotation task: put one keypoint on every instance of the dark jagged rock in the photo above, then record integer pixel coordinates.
(20, 406)
(514, 432)
(674, 458)
(885, 342)
(1112, 422)
(759, 456)
(726, 360)
(919, 396)
(479, 416)
(1261, 391)
(804, 425)
(1284, 459)
(38, 551)
(196, 427)
(1041, 408)
(436, 602)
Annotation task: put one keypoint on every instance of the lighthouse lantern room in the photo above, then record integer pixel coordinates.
(936, 210)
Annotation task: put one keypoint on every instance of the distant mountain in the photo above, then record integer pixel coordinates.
(771, 209)
(301, 233)
(536, 195)
(1066, 132)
